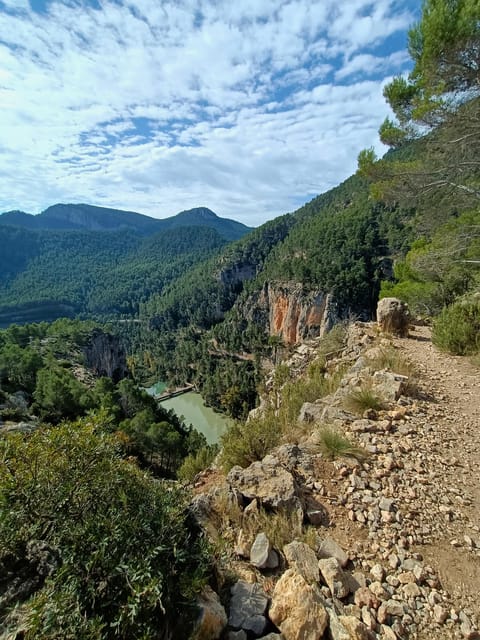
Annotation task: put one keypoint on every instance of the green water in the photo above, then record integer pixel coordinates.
(190, 405)
(156, 389)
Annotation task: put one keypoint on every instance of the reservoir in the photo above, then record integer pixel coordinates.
(190, 405)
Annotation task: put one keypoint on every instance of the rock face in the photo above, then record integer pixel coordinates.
(267, 481)
(393, 316)
(237, 273)
(287, 311)
(298, 608)
(105, 356)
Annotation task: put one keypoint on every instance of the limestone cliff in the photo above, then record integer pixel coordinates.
(105, 356)
(288, 310)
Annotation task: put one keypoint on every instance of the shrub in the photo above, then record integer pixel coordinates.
(334, 445)
(90, 546)
(195, 463)
(242, 444)
(457, 328)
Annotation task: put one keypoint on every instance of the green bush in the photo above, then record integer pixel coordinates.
(457, 328)
(242, 444)
(196, 462)
(90, 546)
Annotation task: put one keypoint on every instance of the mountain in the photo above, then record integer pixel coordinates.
(91, 218)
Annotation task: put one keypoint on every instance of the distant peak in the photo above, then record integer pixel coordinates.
(199, 212)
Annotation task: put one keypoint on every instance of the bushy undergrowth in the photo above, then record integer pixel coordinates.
(457, 328)
(102, 549)
(196, 462)
(242, 444)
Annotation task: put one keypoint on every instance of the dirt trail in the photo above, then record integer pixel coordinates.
(453, 410)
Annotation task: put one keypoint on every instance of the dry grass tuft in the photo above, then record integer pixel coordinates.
(334, 445)
(359, 400)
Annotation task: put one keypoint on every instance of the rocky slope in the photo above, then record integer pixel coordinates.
(381, 544)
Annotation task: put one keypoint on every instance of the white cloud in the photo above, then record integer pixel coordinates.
(158, 107)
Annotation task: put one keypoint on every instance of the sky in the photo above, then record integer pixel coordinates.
(248, 107)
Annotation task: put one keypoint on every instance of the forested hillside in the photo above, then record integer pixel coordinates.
(47, 274)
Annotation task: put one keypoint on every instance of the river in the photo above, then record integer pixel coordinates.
(191, 406)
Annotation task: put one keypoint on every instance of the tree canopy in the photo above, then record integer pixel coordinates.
(439, 101)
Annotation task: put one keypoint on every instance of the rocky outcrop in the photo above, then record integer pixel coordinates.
(290, 312)
(105, 356)
(393, 316)
(266, 481)
(235, 274)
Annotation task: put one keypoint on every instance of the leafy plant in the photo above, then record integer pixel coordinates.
(242, 444)
(90, 546)
(197, 462)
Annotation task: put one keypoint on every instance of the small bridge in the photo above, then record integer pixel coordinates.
(175, 392)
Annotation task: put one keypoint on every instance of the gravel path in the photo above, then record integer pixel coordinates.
(449, 446)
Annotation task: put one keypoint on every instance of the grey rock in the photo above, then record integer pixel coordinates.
(310, 412)
(378, 572)
(303, 559)
(273, 560)
(256, 624)
(260, 551)
(334, 577)
(393, 316)
(248, 600)
(385, 504)
(237, 635)
(389, 386)
(267, 481)
(330, 549)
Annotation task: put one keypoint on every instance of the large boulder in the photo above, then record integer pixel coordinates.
(267, 481)
(393, 316)
(298, 608)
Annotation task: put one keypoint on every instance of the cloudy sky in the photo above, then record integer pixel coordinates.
(249, 107)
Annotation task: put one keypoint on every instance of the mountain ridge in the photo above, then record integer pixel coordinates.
(81, 216)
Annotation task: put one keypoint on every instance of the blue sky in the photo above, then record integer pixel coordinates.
(250, 107)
